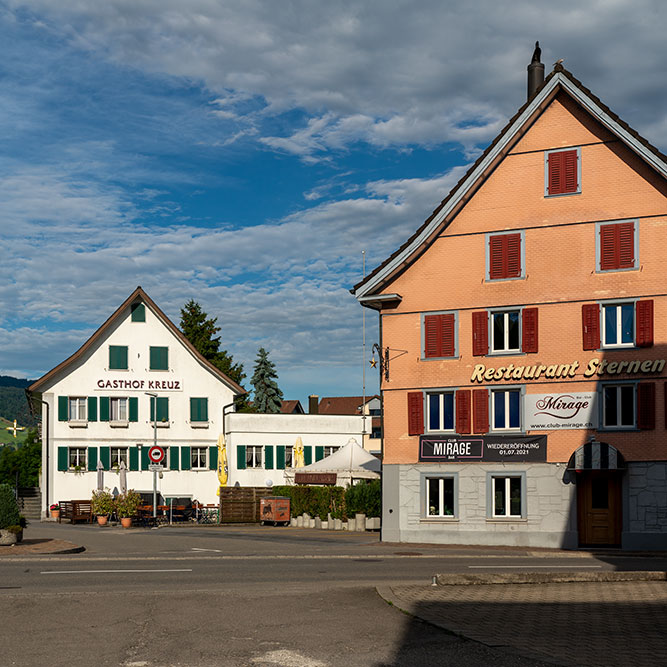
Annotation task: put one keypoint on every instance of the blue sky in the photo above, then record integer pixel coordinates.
(244, 154)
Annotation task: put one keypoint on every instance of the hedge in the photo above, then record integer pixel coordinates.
(9, 509)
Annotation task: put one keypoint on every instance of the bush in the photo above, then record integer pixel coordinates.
(314, 500)
(364, 498)
(9, 509)
(102, 503)
(127, 504)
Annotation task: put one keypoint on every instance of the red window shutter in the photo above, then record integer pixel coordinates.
(415, 413)
(480, 333)
(513, 254)
(590, 320)
(431, 347)
(480, 410)
(644, 317)
(625, 242)
(496, 258)
(569, 180)
(463, 411)
(646, 405)
(608, 254)
(563, 172)
(439, 335)
(529, 330)
(555, 185)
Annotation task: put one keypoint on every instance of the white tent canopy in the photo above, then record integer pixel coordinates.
(350, 462)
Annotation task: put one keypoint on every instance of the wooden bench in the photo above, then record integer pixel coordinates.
(76, 510)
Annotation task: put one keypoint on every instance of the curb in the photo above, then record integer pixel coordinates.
(546, 577)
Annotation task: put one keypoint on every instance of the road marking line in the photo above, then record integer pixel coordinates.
(198, 549)
(107, 571)
(529, 567)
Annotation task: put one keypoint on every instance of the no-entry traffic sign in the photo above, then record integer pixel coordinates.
(156, 454)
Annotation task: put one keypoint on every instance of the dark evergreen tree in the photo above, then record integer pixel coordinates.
(201, 331)
(268, 396)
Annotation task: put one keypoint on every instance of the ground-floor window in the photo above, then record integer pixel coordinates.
(198, 458)
(289, 456)
(329, 450)
(618, 406)
(118, 455)
(440, 496)
(77, 458)
(253, 456)
(507, 496)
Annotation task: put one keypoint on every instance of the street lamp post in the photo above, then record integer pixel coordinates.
(154, 397)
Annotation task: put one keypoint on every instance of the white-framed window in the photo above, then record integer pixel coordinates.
(439, 496)
(78, 408)
(505, 409)
(505, 331)
(329, 450)
(440, 411)
(77, 458)
(289, 456)
(253, 456)
(619, 406)
(118, 409)
(618, 325)
(507, 496)
(118, 455)
(198, 458)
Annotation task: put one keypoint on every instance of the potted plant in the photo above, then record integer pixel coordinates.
(11, 530)
(102, 505)
(55, 510)
(126, 506)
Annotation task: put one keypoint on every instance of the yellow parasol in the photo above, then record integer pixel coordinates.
(299, 461)
(223, 469)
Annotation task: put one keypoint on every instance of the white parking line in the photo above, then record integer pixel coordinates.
(107, 571)
(530, 567)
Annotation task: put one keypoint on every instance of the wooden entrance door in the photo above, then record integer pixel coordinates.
(599, 508)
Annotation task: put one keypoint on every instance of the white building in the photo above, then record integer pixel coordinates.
(100, 407)
(99, 404)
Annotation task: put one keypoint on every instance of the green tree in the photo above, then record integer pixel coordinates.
(25, 460)
(268, 396)
(201, 330)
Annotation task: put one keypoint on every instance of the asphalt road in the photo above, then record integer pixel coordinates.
(241, 596)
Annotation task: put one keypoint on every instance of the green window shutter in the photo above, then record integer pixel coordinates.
(105, 457)
(173, 458)
(308, 455)
(204, 409)
(138, 312)
(118, 357)
(63, 459)
(92, 408)
(240, 457)
(212, 458)
(280, 457)
(159, 358)
(319, 453)
(199, 409)
(186, 458)
(162, 409)
(134, 409)
(104, 408)
(92, 459)
(63, 414)
(134, 458)
(145, 461)
(268, 457)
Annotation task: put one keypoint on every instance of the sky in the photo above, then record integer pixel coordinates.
(247, 154)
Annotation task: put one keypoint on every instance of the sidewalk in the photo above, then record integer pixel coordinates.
(583, 623)
(41, 546)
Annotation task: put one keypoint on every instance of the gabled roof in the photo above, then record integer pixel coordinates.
(342, 405)
(292, 407)
(559, 80)
(137, 296)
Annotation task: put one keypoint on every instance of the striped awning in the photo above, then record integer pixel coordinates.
(596, 456)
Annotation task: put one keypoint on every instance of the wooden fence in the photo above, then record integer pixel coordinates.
(240, 504)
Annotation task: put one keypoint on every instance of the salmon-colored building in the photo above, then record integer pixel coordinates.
(524, 337)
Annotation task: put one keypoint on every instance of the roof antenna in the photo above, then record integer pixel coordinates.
(535, 71)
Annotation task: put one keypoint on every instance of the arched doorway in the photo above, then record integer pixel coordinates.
(598, 468)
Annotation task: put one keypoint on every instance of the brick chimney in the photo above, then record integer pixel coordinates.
(313, 404)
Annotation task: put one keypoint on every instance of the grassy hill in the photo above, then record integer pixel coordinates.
(13, 405)
(6, 437)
